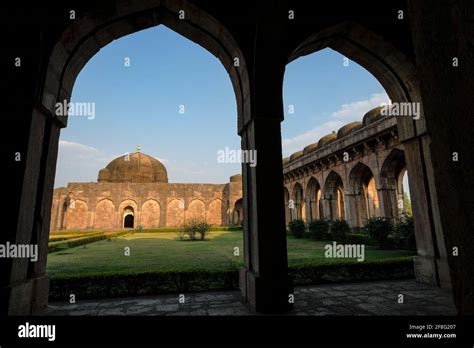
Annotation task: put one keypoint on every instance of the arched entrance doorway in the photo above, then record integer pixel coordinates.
(237, 213)
(128, 217)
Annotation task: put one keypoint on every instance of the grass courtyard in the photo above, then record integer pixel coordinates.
(163, 252)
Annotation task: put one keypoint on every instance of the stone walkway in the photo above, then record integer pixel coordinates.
(370, 298)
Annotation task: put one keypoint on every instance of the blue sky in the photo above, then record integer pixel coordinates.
(140, 104)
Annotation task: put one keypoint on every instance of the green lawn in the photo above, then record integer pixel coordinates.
(162, 252)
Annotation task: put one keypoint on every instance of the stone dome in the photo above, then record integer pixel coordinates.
(310, 148)
(372, 115)
(296, 155)
(327, 139)
(136, 167)
(348, 129)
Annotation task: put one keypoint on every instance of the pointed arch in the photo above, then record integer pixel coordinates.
(298, 201)
(362, 198)
(150, 215)
(89, 33)
(334, 197)
(313, 199)
(391, 182)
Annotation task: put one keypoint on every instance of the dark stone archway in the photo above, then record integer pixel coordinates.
(411, 58)
(128, 221)
(397, 74)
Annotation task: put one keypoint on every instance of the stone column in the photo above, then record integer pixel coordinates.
(41, 227)
(326, 203)
(428, 247)
(351, 209)
(264, 281)
(387, 199)
(24, 284)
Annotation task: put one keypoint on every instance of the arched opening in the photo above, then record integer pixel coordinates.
(394, 186)
(128, 217)
(91, 34)
(395, 73)
(298, 202)
(363, 198)
(403, 193)
(334, 198)
(237, 213)
(313, 199)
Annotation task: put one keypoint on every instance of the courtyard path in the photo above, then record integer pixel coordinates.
(368, 298)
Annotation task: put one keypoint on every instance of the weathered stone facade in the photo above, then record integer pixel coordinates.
(353, 175)
(126, 197)
(411, 57)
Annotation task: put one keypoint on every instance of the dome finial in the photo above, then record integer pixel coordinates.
(139, 148)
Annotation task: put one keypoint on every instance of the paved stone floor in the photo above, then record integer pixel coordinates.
(370, 298)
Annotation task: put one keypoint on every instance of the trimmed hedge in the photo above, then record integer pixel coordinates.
(73, 232)
(181, 229)
(399, 268)
(106, 286)
(150, 283)
(71, 243)
(58, 238)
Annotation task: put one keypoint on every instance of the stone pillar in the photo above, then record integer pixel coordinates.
(326, 204)
(42, 225)
(387, 199)
(264, 280)
(24, 285)
(310, 212)
(351, 209)
(428, 247)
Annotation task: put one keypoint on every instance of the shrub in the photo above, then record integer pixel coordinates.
(378, 228)
(203, 228)
(339, 230)
(405, 232)
(319, 229)
(359, 238)
(194, 228)
(297, 228)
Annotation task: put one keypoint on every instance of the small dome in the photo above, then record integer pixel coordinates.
(327, 139)
(236, 178)
(286, 160)
(372, 116)
(310, 148)
(296, 155)
(348, 129)
(136, 167)
(104, 174)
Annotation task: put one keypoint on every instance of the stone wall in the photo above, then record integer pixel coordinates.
(103, 205)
